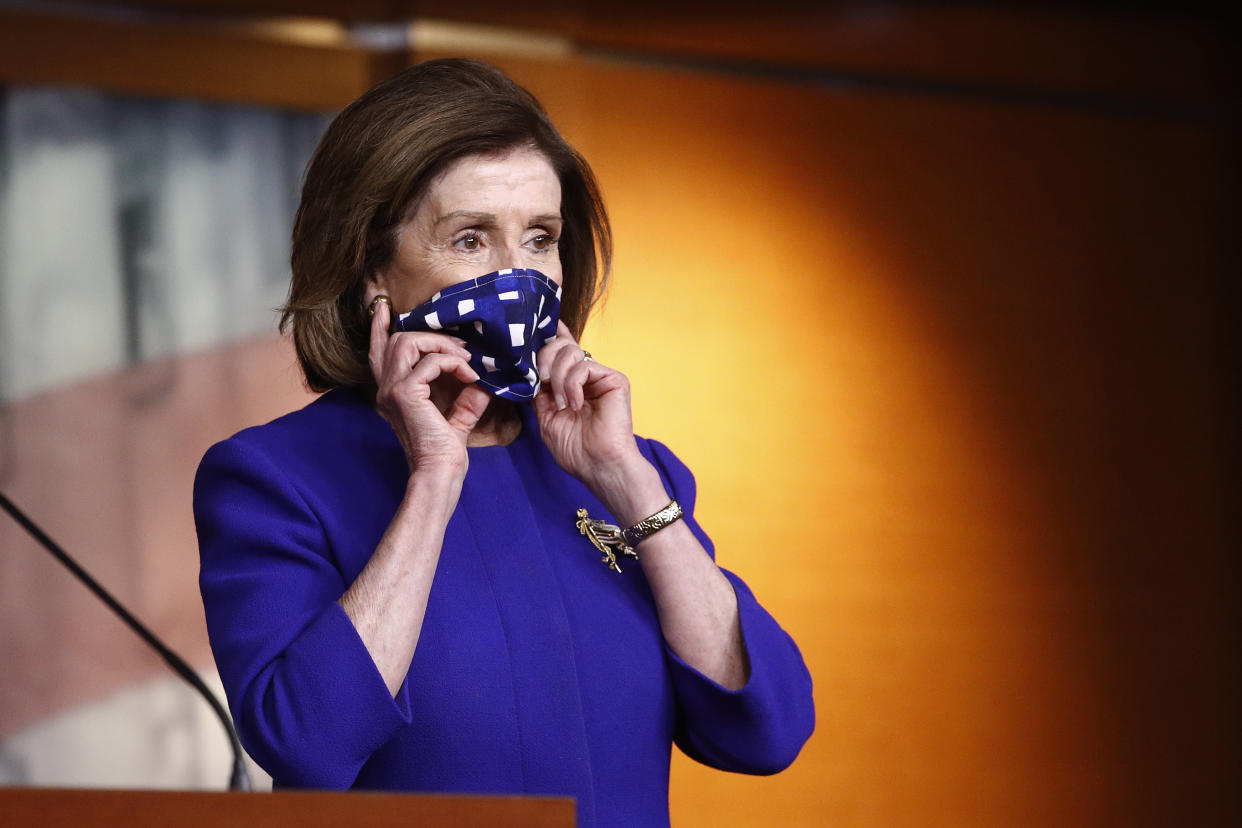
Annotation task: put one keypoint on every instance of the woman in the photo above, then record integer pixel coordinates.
(409, 583)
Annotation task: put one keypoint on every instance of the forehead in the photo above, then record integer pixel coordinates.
(520, 177)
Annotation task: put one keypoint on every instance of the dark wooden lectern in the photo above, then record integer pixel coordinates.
(57, 807)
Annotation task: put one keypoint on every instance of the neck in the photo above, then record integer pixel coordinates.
(500, 425)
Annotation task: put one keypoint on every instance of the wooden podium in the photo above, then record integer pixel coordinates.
(73, 808)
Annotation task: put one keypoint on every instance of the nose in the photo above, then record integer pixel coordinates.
(509, 254)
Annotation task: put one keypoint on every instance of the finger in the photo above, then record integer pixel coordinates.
(430, 340)
(547, 354)
(556, 379)
(562, 363)
(602, 380)
(405, 350)
(432, 366)
(590, 380)
(468, 408)
(545, 406)
(414, 345)
(575, 380)
(379, 340)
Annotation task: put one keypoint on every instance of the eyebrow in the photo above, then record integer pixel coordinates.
(490, 218)
(456, 214)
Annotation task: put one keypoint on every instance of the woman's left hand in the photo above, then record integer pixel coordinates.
(584, 415)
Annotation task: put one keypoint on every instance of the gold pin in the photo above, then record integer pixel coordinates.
(605, 537)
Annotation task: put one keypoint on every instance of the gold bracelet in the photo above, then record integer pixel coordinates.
(647, 527)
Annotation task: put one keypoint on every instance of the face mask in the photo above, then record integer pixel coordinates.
(505, 318)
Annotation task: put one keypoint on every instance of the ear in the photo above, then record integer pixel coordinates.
(376, 285)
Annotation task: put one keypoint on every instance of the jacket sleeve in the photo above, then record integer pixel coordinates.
(309, 704)
(760, 728)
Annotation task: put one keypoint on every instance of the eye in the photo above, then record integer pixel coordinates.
(543, 241)
(470, 241)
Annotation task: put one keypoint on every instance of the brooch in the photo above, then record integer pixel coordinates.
(605, 537)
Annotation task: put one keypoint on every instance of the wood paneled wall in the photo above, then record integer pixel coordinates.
(952, 374)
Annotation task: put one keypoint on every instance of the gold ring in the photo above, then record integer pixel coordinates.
(586, 356)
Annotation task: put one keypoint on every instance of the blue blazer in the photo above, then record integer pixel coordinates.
(537, 670)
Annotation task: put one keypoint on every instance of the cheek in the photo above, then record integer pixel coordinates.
(549, 266)
(414, 285)
(553, 271)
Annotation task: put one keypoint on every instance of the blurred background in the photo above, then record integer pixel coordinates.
(932, 298)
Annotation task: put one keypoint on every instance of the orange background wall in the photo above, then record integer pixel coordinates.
(950, 373)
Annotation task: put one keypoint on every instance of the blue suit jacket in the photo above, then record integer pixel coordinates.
(537, 669)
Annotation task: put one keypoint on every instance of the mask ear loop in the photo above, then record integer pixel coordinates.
(376, 301)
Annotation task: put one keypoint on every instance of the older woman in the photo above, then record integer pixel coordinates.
(424, 580)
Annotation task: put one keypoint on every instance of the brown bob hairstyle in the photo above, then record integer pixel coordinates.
(377, 160)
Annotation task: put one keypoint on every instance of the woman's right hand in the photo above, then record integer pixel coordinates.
(413, 372)
(405, 365)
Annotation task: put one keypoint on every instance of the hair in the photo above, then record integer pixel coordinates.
(374, 164)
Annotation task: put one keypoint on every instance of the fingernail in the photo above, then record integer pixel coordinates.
(560, 403)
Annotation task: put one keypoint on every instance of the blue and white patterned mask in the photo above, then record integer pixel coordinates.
(505, 318)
